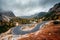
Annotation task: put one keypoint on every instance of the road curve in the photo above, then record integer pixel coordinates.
(17, 30)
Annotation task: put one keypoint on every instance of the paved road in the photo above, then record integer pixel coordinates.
(17, 30)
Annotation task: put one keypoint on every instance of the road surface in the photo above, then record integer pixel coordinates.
(17, 30)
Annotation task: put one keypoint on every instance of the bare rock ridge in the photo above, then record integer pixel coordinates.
(6, 15)
(53, 13)
(55, 8)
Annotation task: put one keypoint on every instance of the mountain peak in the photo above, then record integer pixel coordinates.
(6, 15)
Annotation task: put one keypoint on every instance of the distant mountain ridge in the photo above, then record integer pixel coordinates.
(41, 14)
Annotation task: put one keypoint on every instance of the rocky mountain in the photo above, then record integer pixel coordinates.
(6, 15)
(53, 13)
(55, 8)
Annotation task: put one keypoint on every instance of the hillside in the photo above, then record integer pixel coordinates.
(50, 31)
(53, 13)
(6, 15)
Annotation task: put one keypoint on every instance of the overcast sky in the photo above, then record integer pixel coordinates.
(27, 7)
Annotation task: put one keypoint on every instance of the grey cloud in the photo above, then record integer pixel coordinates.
(50, 2)
(27, 7)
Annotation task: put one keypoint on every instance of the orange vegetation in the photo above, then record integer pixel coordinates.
(48, 32)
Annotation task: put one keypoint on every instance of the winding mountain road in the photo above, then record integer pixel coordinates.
(17, 30)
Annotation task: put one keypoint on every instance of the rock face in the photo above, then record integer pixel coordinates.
(55, 8)
(6, 15)
(49, 31)
(53, 13)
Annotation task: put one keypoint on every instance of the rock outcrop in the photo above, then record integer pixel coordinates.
(53, 13)
(6, 15)
(55, 8)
